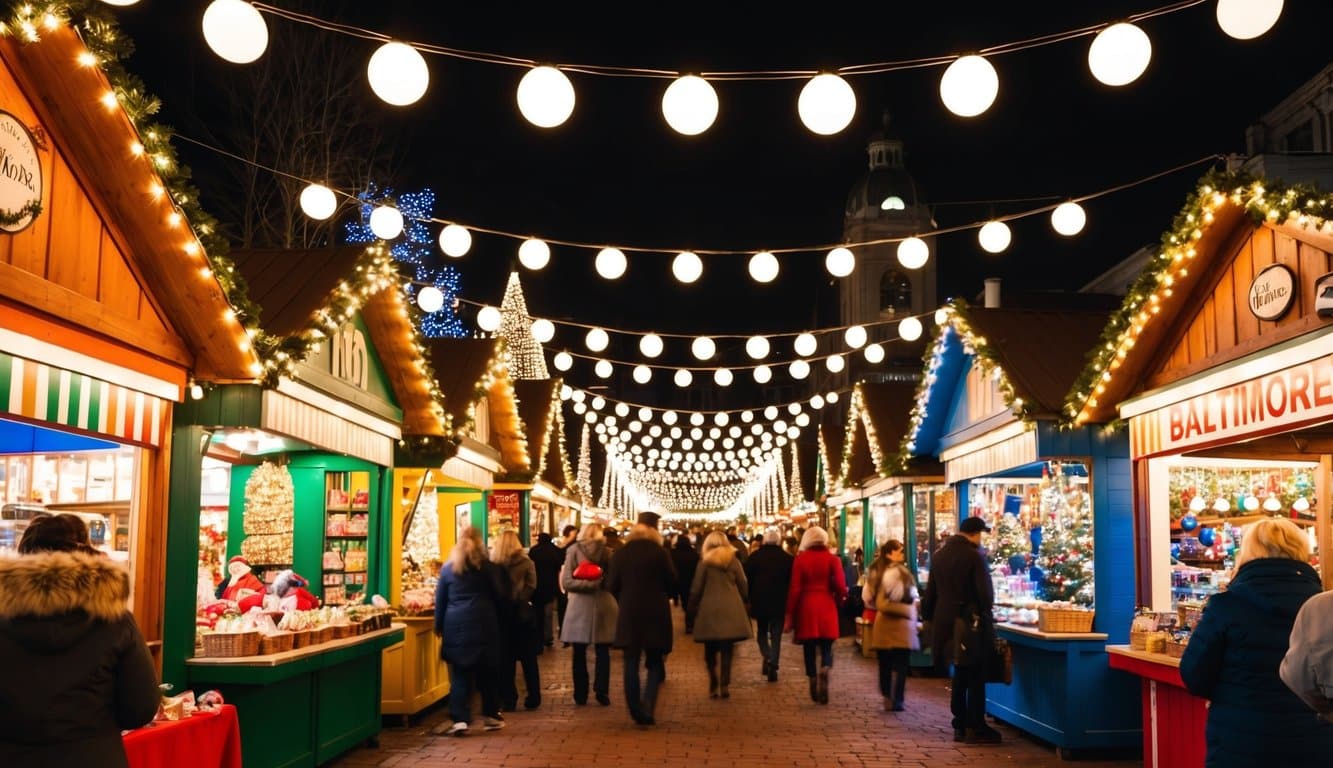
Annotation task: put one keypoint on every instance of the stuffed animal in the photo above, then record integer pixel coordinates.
(243, 587)
(291, 589)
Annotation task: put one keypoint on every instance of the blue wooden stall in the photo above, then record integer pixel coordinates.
(987, 408)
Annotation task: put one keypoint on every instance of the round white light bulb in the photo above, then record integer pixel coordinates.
(874, 354)
(687, 266)
(762, 374)
(543, 330)
(913, 253)
(703, 348)
(835, 363)
(994, 236)
(763, 267)
(643, 374)
(1247, 19)
(398, 74)
(799, 369)
(909, 329)
(771, 412)
(455, 240)
(817, 402)
(603, 369)
(840, 262)
(597, 339)
(430, 299)
(969, 86)
(488, 318)
(1119, 54)
(722, 377)
(941, 316)
(534, 253)
(545, 97)
(757, 347)
(318, 201)
(235, 30)
(855, 336)
(1068, 219)
(611, 263)
(1198, 504)
(386, 222)
(690, 105)
(827, 104)
(805, 344)
(650, 345)
(683, 377)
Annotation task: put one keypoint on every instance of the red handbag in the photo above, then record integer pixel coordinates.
(588, 571)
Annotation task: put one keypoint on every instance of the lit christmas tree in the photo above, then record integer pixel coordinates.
(1010, 544)
(423, 536)
(583, 480)
(523, 354)
(1066, 542)
(269, 516)
(797, 488)
(415, 248)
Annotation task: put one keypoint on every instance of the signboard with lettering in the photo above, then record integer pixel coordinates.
(505, 508)
(1274, 402)
(350, 360)
(1272, 292)
(20, 175)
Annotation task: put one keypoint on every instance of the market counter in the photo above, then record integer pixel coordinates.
(1173, 718)
(302, 707)
(1064, 692)
(414, 676)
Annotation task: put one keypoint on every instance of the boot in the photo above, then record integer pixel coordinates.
(726, 676)
(823, 685)
(713, 682)
(814, 689)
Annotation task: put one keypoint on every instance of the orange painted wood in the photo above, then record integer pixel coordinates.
(1314, 263)
(72, 259)
(1242, 273)
(1224, 312)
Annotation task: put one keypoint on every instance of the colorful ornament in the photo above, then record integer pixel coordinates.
(1189, 523)
(1207, 536)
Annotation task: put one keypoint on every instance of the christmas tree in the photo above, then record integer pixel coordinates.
(583, 481)
(423, 536)
(1066, 542)
(797, 487)
(523, 354)
(1010, 544)
(268, 519)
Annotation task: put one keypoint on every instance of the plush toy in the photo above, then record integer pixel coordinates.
(291, 589)
(243, 587)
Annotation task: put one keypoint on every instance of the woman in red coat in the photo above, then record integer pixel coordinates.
(817, 590)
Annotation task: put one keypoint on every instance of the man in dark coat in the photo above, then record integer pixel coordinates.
(642, 579)
(769, 572)
(548, 558)
(960, 588)
(685, 560)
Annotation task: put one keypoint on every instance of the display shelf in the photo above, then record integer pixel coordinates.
(346, 537)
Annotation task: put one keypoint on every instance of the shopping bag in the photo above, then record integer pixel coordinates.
(1000, 665)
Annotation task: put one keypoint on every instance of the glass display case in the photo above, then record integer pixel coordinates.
(888, 518)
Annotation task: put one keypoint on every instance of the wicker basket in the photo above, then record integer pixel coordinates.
(275, 643)
(343, 631)
(325, 634)
(302, 638)
(1138, 639)
(1175, 649)
(228, 644)
(369, 625)
(1064, 620)
(1156, 642)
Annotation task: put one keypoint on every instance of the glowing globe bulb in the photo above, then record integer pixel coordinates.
(563, 361)
(597, 339)
(913, 253)
(611, 263)
(757, 347)
(909, 329)
(762, 374)
(969, 86)
(703, 348)
(650, 345)
(721, 418)
(1247, 19)
(689, 105)
(386, 222)
(430, 299)
(687, 267)
(534, 253)
(646, 414)
(840, 262)
(683, 377)
(1068, 219)
(798, 369)
(643, 374)
(855, 336)
(835, 363)
(543, 330)
(545, 97)
(722, 377)
(488, 318)
(827, 104)
(455, 240)
(874, 354)
(603, 369)
(771, 412)
(398, 74)
(941, 316)
(763, 267)
(832, 397)
(669, 418)
(1119, 54)
(121, 4)
(235, 31)
(817, 402)
(994, 236)
(318, 202)
(805, 344)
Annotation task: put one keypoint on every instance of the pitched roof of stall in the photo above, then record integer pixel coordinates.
(884, 417)
(1040, 365)
(534, 408)
(461, 366)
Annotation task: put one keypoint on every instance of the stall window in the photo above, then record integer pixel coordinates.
(888, 518)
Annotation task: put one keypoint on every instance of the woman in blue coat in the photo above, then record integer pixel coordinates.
(1234, 654)
(472, 595)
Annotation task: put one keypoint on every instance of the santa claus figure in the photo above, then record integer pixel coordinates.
(291, 589)
(243, 587)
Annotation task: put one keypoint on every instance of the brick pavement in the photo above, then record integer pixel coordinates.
(762, 725)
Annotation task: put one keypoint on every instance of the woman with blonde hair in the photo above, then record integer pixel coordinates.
(519, 632)
(471, 596)
(590, 617)
(890, 591)
(817, 588)
(1234, 654)
(718, 594)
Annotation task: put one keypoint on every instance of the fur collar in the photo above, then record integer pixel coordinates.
(720, 557)
(641, 531)
(55, 583)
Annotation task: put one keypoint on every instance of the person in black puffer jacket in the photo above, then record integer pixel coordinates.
(77, 671)
(1234, 654)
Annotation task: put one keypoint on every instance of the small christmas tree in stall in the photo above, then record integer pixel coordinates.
(269, 516)
(523, 354)
(1066, 558)
(1010, 545)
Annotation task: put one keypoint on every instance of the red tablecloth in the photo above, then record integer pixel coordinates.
(203, 740)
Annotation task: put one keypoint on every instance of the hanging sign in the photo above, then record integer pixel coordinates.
(351, 357)
(20, 175)
(505, 508)
(1272, 292)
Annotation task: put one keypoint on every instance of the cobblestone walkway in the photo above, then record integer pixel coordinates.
(762, 725)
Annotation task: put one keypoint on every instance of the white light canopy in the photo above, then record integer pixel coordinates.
(650, 345)
(1119, 54)
(827, 104)
(762, 374)
(545, 97)
(603, 369)
(855, 336)
(611, 263)
(534, 253)
(398, 74)
(805, 344)
(874, 354)
(235, 30)
(764, 267)
(703, 348)
(683, 377)
(318, 202)
(723, 377)
(969, 86)
(689, 105)
(643, 374)
(757, 347)
(687, 266)
(596, 339)
(455, 240)
(840, 262)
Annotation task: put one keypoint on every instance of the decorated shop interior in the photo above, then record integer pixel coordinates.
(1057, 502)
(1220, 360)
(842, 509)
(108, 310)
(303, 459)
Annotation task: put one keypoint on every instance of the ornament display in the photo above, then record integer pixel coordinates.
(1189, 523)
(269, 516)
(1207, 537)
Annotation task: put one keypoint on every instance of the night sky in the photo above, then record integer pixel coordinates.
(616, 174)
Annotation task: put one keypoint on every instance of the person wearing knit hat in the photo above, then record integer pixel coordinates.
(642, 578)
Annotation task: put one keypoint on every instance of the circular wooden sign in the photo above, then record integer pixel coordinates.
(1272, 292)
(20, 175)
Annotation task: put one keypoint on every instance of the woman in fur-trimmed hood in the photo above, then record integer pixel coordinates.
(77, 671)
(717, 600)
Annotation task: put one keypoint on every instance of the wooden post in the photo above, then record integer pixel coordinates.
(1321, 524)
